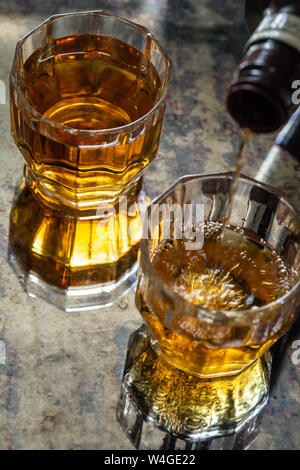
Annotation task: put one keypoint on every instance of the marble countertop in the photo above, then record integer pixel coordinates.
(60, 383)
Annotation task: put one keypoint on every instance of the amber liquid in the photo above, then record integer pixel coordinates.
(182, 403)
(87, 83)
(240, 161)
(243, 273)
(68, 251)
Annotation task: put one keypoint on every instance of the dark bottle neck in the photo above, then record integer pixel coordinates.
(260, 95)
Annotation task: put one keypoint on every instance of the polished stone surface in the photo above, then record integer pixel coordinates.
(60, 383)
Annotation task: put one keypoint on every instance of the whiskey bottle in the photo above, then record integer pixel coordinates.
(261, 93)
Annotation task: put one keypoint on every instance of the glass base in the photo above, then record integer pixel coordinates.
(74, 299)
(162, 407)
(76, 260)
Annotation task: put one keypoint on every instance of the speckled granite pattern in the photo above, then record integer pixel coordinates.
(60, 384)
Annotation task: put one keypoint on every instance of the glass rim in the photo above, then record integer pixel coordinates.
(218, 316)
(91, 132)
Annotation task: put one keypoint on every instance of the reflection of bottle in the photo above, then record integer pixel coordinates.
(278, 168)
(260, 95)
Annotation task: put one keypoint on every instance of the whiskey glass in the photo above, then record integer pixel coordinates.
(197, 376)
(88, 96)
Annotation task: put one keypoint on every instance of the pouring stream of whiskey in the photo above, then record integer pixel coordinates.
(240, 162)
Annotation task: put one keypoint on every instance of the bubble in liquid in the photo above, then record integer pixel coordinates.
(239, 230)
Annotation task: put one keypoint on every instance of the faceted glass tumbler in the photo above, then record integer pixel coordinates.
(207, 371)
(88, 96)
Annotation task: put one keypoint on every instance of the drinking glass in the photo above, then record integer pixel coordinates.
(88, 96)
(197, 374)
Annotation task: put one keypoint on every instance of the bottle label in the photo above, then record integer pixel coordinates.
(282, 27)
(289, 137)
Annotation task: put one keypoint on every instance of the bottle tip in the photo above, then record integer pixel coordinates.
(255, 107)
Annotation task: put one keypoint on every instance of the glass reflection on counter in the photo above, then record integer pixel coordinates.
(164, 408)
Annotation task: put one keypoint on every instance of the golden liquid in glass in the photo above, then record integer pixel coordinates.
(243, 273)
